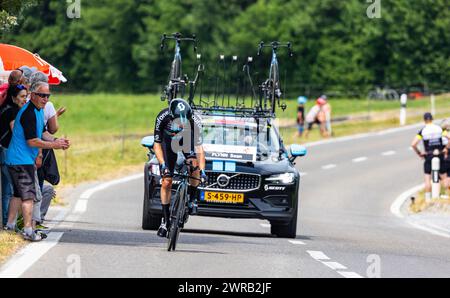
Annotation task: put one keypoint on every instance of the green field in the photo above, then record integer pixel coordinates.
(105, 129)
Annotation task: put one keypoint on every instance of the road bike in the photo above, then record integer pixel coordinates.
(177, 81)
(179, 212)
(271, 88)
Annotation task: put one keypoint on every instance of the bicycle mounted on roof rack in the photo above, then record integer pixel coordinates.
(243, 105)
(177, 82)
(270, 93)
(271, 89)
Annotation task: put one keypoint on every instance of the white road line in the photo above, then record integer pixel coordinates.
(335, 265)
(427, 228)
(88, 193)
(328, 167)
(81, 206)
(363, 135)
(297, 242)
(265, 225)
(359, 159)
(348, 274)
(388, 153)
(317, 255)
(28, 256)
(398, 203)
(396, 210)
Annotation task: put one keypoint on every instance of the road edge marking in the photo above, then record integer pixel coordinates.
(28, 256)
(25, 258)
(89, 192)
(401, 199)
(396, 210)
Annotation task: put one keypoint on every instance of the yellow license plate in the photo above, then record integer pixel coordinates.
(224, 197)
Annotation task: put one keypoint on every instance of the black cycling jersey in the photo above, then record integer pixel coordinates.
(168, 130)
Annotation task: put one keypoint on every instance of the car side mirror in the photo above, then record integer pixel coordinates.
(148, 143)
(297, 151)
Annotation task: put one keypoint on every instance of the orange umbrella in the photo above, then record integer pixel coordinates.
(14, 57)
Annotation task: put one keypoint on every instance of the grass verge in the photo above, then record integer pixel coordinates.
(436, 205)
(9, 244)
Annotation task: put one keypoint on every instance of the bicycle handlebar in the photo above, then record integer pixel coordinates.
(275, 45)
(178, 37)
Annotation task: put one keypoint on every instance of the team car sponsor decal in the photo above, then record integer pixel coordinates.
(273, 187)
(228, 152)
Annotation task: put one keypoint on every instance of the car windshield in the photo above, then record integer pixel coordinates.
(245, 132)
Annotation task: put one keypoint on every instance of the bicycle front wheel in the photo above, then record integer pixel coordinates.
(177, 217)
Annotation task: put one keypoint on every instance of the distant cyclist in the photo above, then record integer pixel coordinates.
(178, 130)
(434, 141)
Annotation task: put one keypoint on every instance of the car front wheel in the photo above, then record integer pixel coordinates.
(284, 230)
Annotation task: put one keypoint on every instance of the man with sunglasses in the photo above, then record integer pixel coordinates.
(23, 153)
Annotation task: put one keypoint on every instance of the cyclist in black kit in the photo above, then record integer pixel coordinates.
(434, 140)
(178, 130)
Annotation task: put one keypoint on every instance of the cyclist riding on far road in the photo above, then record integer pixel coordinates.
(178, 130)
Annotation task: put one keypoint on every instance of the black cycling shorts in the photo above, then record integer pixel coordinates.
(427, 165)
(23, 181)
(170, 158)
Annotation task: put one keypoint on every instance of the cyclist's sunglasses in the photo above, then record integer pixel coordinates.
(21, 87)
(43, 95)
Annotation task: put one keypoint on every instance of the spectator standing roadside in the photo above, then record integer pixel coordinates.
(16, 99)
(301, 101)
(433, 138)
(446, 132)
(314, 117)
(15, 78)
(50, 113)
(324, 115)
(51, 127)
(22, 155)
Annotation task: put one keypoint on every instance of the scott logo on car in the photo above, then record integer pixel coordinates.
(269, 187)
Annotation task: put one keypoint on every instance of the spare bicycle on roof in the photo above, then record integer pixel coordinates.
(177, 82)
(271, 88)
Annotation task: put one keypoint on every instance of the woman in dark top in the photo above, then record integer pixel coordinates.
(16, 99)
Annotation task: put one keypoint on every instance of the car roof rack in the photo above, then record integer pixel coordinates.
(230, 91)
(233, 111)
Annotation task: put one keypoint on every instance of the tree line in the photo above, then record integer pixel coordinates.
(114, 46)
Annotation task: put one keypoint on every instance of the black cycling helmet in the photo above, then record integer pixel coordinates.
(179, 108)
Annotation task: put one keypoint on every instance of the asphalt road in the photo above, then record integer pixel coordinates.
(345, 227)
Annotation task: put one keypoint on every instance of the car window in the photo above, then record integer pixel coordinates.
(241, 132)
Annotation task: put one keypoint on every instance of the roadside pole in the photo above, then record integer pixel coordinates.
(403, 102)
(433, 105)
(435, 183)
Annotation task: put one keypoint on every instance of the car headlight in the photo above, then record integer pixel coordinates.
(286, 178)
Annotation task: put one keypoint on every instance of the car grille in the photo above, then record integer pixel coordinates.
(237, 181)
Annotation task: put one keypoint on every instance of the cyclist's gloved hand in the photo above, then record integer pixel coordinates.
(203, 177)
(164, 170)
